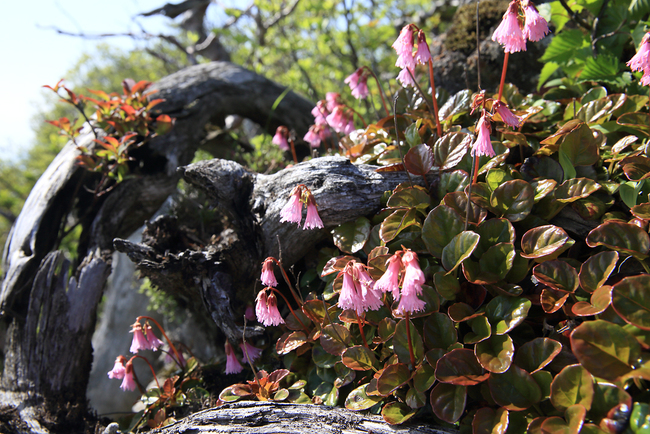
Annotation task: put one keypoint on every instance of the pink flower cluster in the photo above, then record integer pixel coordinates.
(358, 82)
(281, 138)
(641, 60)
(358, 292)
(266, 308)
(292, 211)
(483, 145)
(330, 112)
(143, 338)
(406, 58)
(511, 35)
(411, 281)
(123, 370)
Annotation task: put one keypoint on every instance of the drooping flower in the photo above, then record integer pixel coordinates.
(406, 78)
(535, 27)
(312, 221)
(154, 342)
(349, 298)
(483, 144)
(292, 211)
(422, 54)
(332, 100)
(266, 309)
(118, 371)
(370, 296)
(390, 279)
(250, 352)
(317, 134)
(341, 120)
(170, 357)
(506, 115)
(280, 138)
(139, 341)
(320, 112)
(232, 364)
(641, 60)
(411, 285)
(403, 45)
(358, 82)
(357, 290)
(509, 33)
(128, 382)
(268, 278)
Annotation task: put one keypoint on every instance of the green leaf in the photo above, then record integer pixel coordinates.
(322, 358)
(631, 300)
(564, 45)
(606, 397)
(400, 343)
(460, 367)
(448, 401)
(457, 200)
(495, 353)
(481, 330)
(544, 243)
(350, 237)
(580, 147)
(493, 266)
(506, 313)
(543, 187)
(447, 285)
(574, 189)
(419, 159)
(604, 349)
(640, 418)
(536, 354)
(496, 177)
(567, 165)
(605, 68)
(450, 149)
(513, 199)
(357, 400)
(335, 338)
(458, 104)
(392, 378)
(439, 228)
(452, 181)
(439, 331)
(488, 421)
(424, 378)
(410, 197)
(358, 358)
(412, 135)
(559, 275)
(458, 249)
(494, 231)
(573, 385)
(396, 413)
(600, 300)
(397, 222)
(622, 237)
(515, 389)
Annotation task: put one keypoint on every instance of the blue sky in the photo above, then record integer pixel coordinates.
(32, 54)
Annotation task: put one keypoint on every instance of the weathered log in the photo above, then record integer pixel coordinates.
(251, 417)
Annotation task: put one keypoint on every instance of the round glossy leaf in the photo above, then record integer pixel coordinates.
(493, 266)
(448, 401)
(419, 160)
(543, 380)
(481, 330)
(458, 249)
(574, 189)
(439, 331)
(604, 349)
(495, 353)
(335, 338)
(534, 355)
(447, 285)
(322, 358)
(543, 187)
(631, 300)
(636, 168)
(488, 421)
(544, 243)
(506, 313)
(600, 300)
(452, 181)
(595, 271)
(623, 237)
(392, 378)
(481, 195)
(457, 200)
(580, 146)
(397, 222)
(513, 199)
(552, 300)
(396, 413)
(439, 228)
(640, 418)
(409, 197)
(400, 343)
(358, 400)
(289, 342)
(641, 211)
(519, 270)
(459, 312)
(496, 177)
(494, 231)
(386, 329)
(351, 236)
(606, 397)
(424, 378)
(460, 367)
(556, 274)
(415, 399)
(555, 425)
(515, 389)
(358, 358)
(450, 149)
(573, 385)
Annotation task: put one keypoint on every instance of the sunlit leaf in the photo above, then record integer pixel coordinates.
(595, 271)
(460, 367)
(573, 385)
(536, 354)
(495, 353)
(622, 237)
(350, 237)
(631, 300)
(515, 389)
(448, 401)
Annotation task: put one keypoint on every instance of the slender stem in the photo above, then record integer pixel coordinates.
(290, 308)
(575, 17)
(169, 341)
(248, 359)
(150, 367)
(363, 336)
(286, 279)
(420, 91)
(435, 100)
(381, 90)
(503, 75)
(478, 50)
(408, 338)
(293, 151)
(363, 121)
(399, 148)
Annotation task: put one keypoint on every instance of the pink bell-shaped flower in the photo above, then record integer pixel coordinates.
(483, 144)
(232, 364)
(292, 211)
(403, 45)
(250, 352)
(312, 221)
(118, 370)
(139, 341)
(411, 285)
(389, 281)
(506, 115)
(154, 342)
(358, 82)
(268, 278)
(280, 138)
(535, 27)
(509, 34)
(422, 54)
(266, 309)
(128, 382)
(641, 60)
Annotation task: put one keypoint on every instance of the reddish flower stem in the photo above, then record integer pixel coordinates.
(363, 336)
(169, 341)
(381, 90)
(503, 75)
(408, 338)
(150, 367)
(433, 97)
(286, 277)
(290, 308)
(293, 151)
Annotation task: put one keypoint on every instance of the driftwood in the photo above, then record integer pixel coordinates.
(35, 383)
(250, 417)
